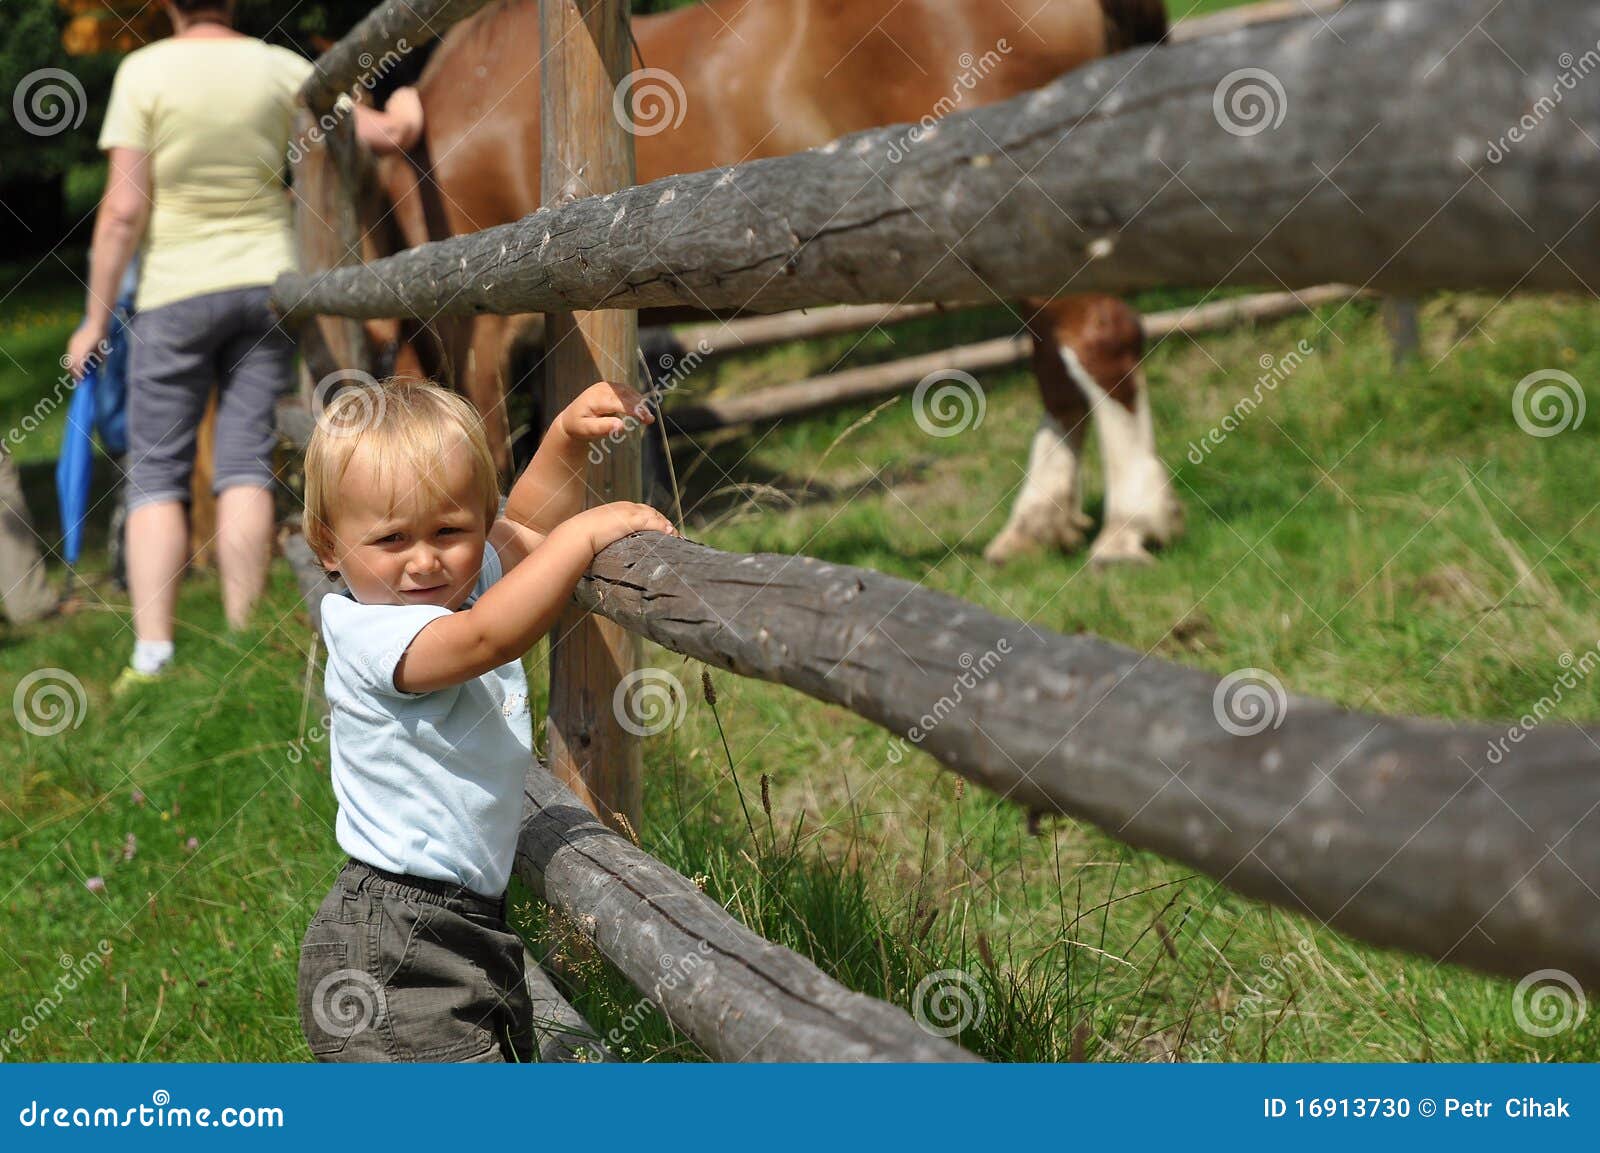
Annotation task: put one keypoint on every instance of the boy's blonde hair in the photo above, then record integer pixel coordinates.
(406, 426)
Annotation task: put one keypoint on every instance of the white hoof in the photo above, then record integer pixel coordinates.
(1121, 545)
(1015, 541)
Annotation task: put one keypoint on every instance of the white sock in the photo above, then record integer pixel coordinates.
(150, 656)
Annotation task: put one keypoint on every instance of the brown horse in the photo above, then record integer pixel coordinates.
(736, 80)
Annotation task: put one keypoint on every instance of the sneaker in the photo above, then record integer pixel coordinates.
(130, 679)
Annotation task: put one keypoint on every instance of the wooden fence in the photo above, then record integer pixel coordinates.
(1406, 832)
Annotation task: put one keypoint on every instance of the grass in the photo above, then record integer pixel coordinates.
(1389, 539)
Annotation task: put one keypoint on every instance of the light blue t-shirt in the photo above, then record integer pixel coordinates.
(428, 784)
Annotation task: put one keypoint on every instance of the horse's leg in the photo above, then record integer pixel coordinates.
(1049, 509)
(1101, 343)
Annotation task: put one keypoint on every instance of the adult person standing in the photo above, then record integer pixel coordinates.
(197, 132)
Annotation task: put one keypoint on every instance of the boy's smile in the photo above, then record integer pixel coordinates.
(397, 541)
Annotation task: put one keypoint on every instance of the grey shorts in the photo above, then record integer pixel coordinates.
(176, 353)
(397, 968)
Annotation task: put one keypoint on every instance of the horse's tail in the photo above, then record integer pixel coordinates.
(1130, 23)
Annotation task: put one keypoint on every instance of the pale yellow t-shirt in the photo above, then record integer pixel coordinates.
(215, 116)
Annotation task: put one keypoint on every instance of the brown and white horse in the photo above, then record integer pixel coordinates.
(771, 77)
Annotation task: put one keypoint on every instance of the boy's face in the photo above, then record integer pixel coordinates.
(400, 543)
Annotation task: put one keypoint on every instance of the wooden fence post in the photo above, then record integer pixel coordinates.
(588, 152)
(327, 223)
(1402, 320)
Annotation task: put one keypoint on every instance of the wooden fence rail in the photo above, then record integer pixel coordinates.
(1448, 840)
(1376, 176)
(855, 385)
(560, 1034)
(398, 26)
(740, 998)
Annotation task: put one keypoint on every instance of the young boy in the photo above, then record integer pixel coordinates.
(410, 958)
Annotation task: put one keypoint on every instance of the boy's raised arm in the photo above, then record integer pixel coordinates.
(519, 608)
(551, 489)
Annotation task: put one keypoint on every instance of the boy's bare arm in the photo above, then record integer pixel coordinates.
(551, 489)
(521, 607)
